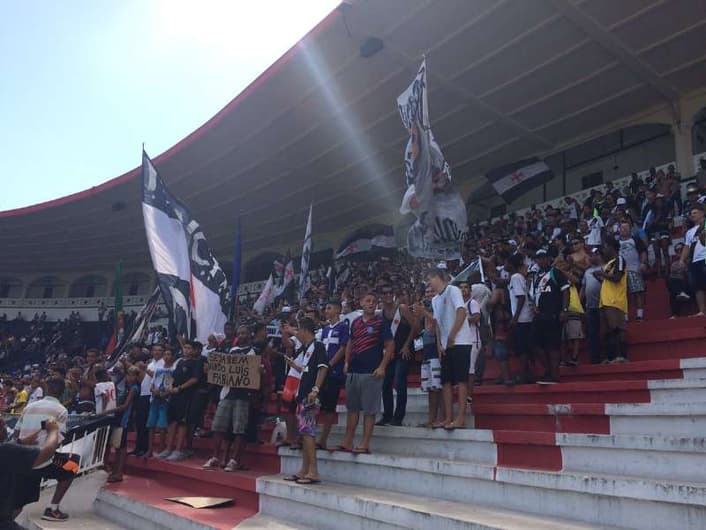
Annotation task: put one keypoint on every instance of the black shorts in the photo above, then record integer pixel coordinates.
(178, 408)
(546, 333)
(455, 364)
(27, 485)
(697, 276)
(197, 407)
(329, 394)
(521, 338)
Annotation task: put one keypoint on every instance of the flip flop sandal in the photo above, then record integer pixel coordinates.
(361, 451)
(292, 478)
(341, 449)
(306, 480)
(294, 447)
(321, 447)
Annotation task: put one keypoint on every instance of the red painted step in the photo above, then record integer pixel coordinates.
(147, 486)
(577, 418)
(580, 392)
(528, 450)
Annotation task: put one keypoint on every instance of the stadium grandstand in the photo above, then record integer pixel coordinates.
(585, 289)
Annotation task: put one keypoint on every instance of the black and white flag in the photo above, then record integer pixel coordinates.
(516, 179)
(442, 221)
(193, 285)
(306, 258)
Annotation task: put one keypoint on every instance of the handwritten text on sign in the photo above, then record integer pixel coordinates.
(234, 370)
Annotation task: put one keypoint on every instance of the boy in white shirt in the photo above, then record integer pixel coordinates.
(104, 392)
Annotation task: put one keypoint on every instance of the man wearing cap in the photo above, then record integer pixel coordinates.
(694, 256)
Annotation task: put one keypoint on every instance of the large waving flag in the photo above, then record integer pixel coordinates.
(442, 222)
(306, 258)
(193, 285)
(267, 296)
(514, 180)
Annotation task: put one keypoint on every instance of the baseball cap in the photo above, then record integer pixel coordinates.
(621, 201)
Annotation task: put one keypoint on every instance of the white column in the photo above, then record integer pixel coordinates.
(683, 148)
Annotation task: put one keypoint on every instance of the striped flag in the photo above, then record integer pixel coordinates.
(193, 284)
(306, 258)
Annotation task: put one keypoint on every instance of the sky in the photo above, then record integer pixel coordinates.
(83, 83)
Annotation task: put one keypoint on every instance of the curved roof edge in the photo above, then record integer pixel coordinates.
(187, 140)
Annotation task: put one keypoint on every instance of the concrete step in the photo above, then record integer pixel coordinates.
(657, 418)
(599, 499)
(81, 521)
(334, 506)
(265, 522)
(417, 413)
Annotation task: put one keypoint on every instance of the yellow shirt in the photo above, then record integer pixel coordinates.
(615, 294)
(20, 402)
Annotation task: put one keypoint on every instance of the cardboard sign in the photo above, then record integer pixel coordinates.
(234, 370)
(201, 502)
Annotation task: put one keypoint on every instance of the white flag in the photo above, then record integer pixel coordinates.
(267, 296)
(306, 258)
(193, 285)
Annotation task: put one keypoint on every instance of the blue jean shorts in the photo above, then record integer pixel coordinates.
(157, 417)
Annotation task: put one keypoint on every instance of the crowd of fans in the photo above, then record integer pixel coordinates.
(529, 291)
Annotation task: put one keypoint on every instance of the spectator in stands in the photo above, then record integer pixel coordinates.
(21, 397)
(520, 324)
(122, 414)
(613, 302)
(232, 415)
(370, 349)
(474, 317)
(399, 318)
(678, 283)
(701, 175)
(634, 252)
(184, 380)
(550, 293)
(142, 406)
(334, 336)
(36, 391)
(29, 431)
(313, 377)
(590, 294)
(104, 391)
(157, 422)
(693, 255)
(455, 341)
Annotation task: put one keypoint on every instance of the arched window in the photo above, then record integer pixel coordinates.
(10, 287)
(135, 284)
(47, 287)
(89, 286)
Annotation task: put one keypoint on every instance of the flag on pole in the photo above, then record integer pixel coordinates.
(306, 258)
(514, 180)
(442, 222)
(286, 276)
(193, 285)
(119, 326)
(267, 296)
(235, 281)
(139, 327)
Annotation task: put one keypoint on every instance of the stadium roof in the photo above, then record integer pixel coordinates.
(507, 79)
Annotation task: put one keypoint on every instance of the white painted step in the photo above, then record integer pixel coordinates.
(333, 506)
(265, 522)
(673, 458)
(657, 418)
(677, 390)
(417, 414)
(81, 521)
(135, 515)
(605, 500)
(469, 445)
(694, 368)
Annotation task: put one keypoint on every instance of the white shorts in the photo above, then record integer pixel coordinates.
(475, 350)
(431, 375)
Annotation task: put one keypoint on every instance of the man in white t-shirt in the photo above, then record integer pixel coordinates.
(520, 324)
(694, 256)
(142, 406)
(473, 308)
(453, 335)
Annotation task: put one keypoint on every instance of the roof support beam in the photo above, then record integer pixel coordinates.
(620, 51)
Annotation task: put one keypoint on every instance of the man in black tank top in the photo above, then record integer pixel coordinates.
(398, 317)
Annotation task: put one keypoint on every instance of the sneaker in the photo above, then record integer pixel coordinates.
(683, 297)
(619, 360)
(231, 466)
(176, 456)
(212, 463)
(396, 423)
(188, 453)
(382, 422)
(164, 454)
(547, 380)
(54, 515)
